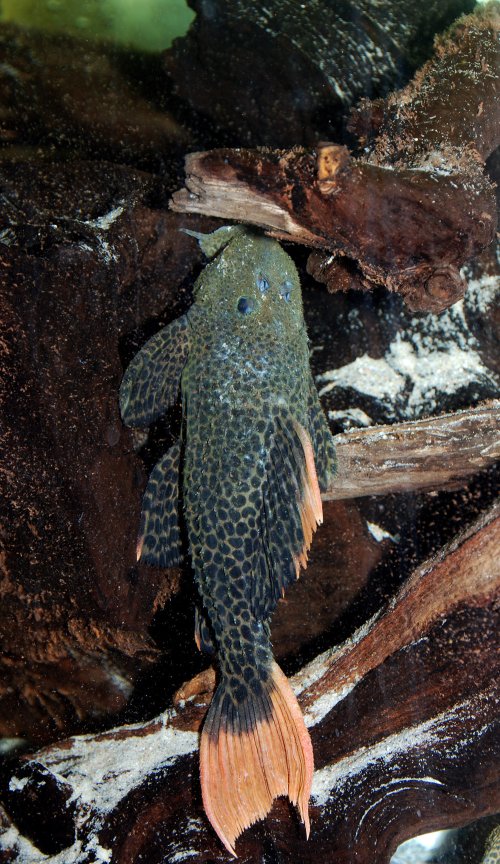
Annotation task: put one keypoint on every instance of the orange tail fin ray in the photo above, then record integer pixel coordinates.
(251, 754)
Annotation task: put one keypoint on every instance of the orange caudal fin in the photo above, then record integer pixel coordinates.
(252, 753)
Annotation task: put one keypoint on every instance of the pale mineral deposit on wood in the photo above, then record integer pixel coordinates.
(327, 780)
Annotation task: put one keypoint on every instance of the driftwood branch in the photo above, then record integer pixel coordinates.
(320, 58)
(423, 454)
(426, 758)
(406, 215)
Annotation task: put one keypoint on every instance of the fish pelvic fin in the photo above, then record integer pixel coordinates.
(250, 754)
(159, 541)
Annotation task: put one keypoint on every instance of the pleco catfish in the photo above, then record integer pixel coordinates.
(255, 449)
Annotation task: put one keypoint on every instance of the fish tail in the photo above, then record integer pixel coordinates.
(253, 750)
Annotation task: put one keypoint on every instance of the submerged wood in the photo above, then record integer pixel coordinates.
(76, 609)
(279, 73)
(411, 210)
(427, 759)
(423, 454)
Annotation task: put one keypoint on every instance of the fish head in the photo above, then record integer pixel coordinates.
(251, 283)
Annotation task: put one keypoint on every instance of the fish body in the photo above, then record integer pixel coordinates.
(492, 849)
(256, 448)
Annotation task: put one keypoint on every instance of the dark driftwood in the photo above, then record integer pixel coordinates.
(279, 73)
(85, 261)
(424, 454)
(425, 757)
(63, 92)
(406, 215)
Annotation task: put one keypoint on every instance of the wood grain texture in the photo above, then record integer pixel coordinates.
(76, 609)
(379, 218)
(422, 454)
(424, 757)
(279, 73)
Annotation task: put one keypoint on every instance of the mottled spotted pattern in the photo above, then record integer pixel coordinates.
(492, 850)
(160, 542)
(151, 382)
(245, 385)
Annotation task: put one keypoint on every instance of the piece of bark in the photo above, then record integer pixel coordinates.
(409, 213)
(403, 720)
(382, 220)
(425, 454)
(449, 114)
(279, 73)
(85, 261)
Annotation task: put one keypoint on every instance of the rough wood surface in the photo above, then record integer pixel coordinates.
(281, 73)
(411, 210)
(281, 192)
(57, 91)
(426, 757)
(82, 248)
(425, 454)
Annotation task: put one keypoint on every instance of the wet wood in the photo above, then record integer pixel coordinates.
(419, 455)
(464, 572)
(280, 192)
(57, 91)
(380, 218)
(281, 73)
(85, 262)
(422, 756)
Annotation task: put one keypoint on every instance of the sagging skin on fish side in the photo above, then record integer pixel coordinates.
(255, 450)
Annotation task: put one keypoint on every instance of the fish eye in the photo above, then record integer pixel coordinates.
(245, 305)
(286, 291)
(262, 283)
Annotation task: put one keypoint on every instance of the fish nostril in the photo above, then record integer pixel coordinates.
(285, 291)
(262, 283)
(245, 305)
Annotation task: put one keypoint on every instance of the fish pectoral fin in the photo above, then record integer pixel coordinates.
(252, 753)
(159, 540)
(290, 513)
(152, 380)
(311, 504)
